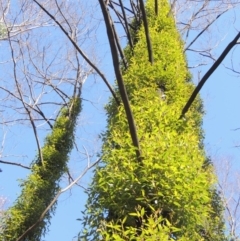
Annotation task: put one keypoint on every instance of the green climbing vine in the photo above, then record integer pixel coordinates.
(168, 196)
(42, 184)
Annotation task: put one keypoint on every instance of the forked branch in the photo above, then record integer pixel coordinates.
(80, 51)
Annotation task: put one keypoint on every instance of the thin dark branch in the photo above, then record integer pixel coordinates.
(236, 129)
(233, 70)
(134, 10)
(208, 74)
(126, 25)
(44, 117)
(156, 7)
(80, 51)
(59, 9)
(15, 164)
(35, 134)
(122, 89)
(119, 16)
(121, 19)
(145, 23)
(70, 179)
(128, 9)
(119, 47)
(22, 120)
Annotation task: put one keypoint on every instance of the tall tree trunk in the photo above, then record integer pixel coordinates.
(169, 194)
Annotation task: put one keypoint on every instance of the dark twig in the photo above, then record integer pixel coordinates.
(208, 74)
(122, 89)
(236, 129)
(119, 47)
(59, 9)
(156, 7)
(80, 51)
(128, 9)
(145, 23)
(126, 25)
(119, 16)
(15, 164)
(134, 9)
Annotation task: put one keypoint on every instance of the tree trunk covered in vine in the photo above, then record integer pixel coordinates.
(23, 220)
(168, 193)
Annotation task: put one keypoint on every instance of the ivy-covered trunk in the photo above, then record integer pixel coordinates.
(42, 184)
(168, 193)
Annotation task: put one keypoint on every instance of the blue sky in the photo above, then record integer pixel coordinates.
(221, 99)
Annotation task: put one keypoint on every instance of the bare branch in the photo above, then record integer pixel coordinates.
(118, 4)
(126, 25)
(22, 100)
(145, 23)
(119, 47)
(14, 164)
(208, 74)
(80, 51)
(204, 29)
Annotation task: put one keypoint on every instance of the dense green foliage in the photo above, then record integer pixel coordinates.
(42, 184)
(168, 195)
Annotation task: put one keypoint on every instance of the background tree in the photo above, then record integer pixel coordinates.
(37, 90)
(229, 189)
(42, 185)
